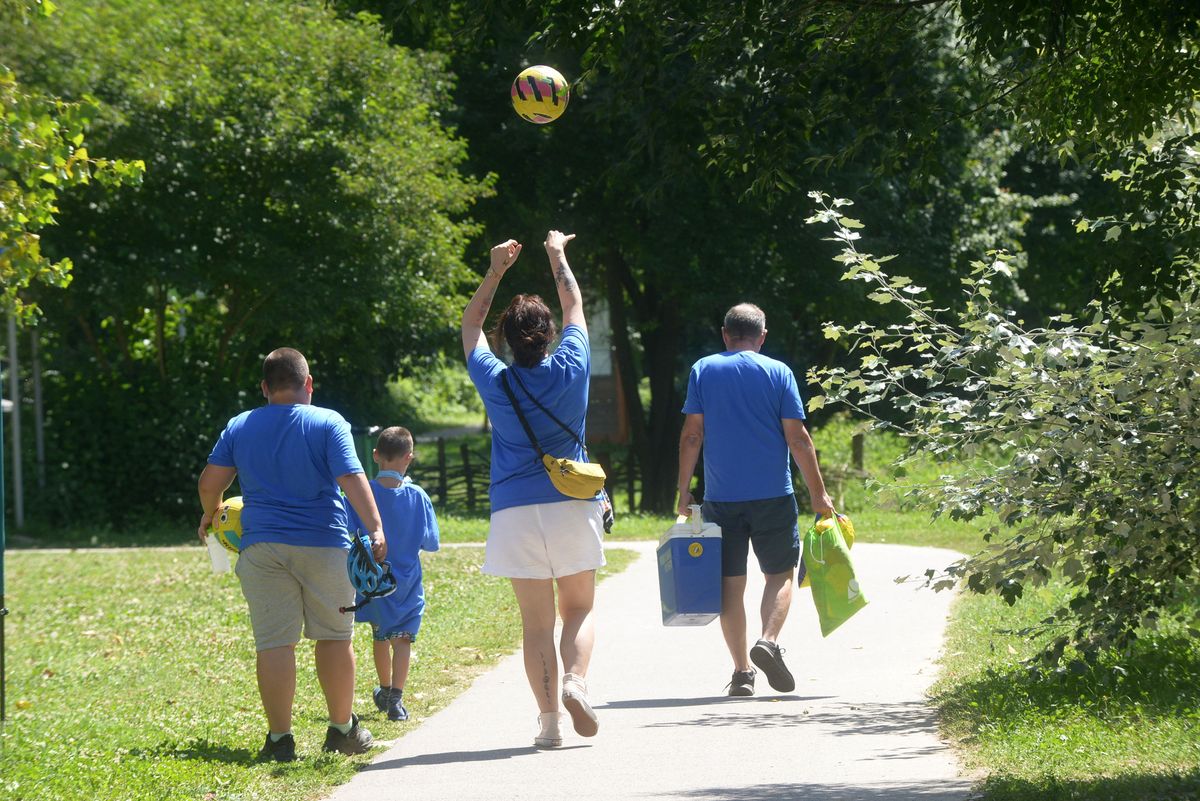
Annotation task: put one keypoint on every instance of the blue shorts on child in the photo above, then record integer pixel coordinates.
(398, 613)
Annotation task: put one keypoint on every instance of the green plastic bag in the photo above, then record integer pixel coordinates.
(835, 589)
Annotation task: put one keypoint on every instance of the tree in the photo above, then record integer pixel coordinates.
(718, 109)
(1081, 436)
(1088, 76)
(44, 155)
(301, 189)
(640, 165)
(1081, 432)
(1095, 438)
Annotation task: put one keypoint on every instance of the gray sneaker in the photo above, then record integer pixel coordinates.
(769, 658)
(742, 683)
(356, 741)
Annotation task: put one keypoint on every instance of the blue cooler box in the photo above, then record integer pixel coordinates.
(689, 572)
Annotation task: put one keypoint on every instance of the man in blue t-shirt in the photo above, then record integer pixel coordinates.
(290, 458)
(745, 409)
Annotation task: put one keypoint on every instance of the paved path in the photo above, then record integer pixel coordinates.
(856, 728)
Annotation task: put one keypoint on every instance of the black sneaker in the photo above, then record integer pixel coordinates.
(356, 741)
(769, 658)
(395, 706)
(283, 750)
(380, 696)
(742, 683)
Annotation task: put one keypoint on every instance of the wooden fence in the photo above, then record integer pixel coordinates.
(458, 474)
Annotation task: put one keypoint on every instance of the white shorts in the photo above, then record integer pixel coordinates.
(545, 540)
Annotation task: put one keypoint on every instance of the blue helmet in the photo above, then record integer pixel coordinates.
(369, 578)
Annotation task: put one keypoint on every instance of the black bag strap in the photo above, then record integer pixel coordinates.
(521, 416)
(546, 411)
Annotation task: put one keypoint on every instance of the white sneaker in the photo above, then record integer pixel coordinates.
(574, 698)
(549, 737)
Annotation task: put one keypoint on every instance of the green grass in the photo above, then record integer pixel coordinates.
(131, 676)
(914, 527)
(1125, 730)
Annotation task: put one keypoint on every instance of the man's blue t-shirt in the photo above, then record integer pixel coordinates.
(410, 527)
(560, 383)
(288, 458)
(744, 396)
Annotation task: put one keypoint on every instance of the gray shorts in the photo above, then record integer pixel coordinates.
(293, 587)
(769, 526)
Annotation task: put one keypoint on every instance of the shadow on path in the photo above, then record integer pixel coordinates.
(843, 720)
(879, 718)
(919, 791)
(661, 703)
(458, 757)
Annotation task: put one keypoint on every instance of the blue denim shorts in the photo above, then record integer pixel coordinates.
(768, 525)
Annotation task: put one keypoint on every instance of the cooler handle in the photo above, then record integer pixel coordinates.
(696, 518)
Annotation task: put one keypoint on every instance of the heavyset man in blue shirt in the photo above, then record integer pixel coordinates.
(745, 410)
(290, 458)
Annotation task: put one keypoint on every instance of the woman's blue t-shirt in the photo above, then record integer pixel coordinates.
(288, 458)
(560, 383)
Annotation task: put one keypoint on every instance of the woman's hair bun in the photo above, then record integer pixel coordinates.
(528, 327)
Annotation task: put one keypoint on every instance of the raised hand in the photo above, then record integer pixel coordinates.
(556, 243)
(504, 256)
(568, 291)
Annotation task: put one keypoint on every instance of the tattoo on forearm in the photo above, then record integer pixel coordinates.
(483, 300)
(564, 277)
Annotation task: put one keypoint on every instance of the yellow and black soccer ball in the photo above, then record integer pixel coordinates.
(540, 94)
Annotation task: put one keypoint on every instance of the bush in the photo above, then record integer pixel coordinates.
(1083, 434)
(300, 189)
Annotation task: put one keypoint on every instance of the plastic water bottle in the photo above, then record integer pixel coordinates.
(217, 555)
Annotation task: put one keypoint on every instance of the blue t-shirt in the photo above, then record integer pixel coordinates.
(288, 458)
(410, 527)
(744, 396)
(560, 383)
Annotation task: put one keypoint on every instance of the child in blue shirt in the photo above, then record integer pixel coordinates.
(410, 527)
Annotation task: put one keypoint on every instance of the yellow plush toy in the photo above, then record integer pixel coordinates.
(824, 524)
(227, 524)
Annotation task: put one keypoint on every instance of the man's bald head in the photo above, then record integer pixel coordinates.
(745, 322)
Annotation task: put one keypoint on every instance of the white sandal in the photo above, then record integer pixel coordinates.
(574, 698)
(549, 737)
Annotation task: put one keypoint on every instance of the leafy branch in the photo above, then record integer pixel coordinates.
(1086, 430)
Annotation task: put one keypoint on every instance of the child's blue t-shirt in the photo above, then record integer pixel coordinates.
(288, 458)
(410, 526)
(560, 383)
(744, 396)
